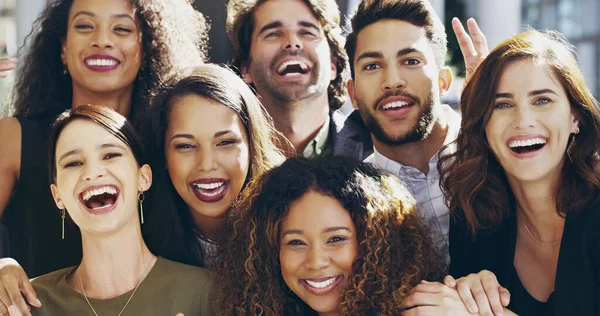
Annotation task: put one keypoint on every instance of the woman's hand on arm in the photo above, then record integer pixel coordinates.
(481, 293)
(13, 282)
(434, 298)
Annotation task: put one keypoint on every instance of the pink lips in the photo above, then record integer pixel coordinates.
(529, 154)
(396, 112)
(101, 63)
(321, 291)
(209, 190)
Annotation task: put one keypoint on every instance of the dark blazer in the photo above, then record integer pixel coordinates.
(577, 285)
(351, 138)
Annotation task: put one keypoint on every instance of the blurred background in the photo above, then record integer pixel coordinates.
(578, 20)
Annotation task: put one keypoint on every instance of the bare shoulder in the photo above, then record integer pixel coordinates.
(10, 145)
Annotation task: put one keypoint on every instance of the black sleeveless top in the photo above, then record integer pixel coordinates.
(31, 224)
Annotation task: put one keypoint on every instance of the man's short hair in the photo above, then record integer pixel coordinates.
(416, 12)
(240, 25)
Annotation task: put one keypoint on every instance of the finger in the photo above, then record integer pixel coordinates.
(11, 284)
(481, 299)
(14, 311)
(450, 281)
(464, 291)
(491, 288)
(5, 301)
(504, 296)
(464, 40)
(29, 292)
(421, 299)
(479, 40)
(433, 288)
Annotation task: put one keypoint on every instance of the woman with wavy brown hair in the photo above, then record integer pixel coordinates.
(324, 235)
(524, 180)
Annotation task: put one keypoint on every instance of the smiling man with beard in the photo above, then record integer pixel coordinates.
(397, 51)
(291, 52)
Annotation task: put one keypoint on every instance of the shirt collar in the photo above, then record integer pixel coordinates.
(317, 146)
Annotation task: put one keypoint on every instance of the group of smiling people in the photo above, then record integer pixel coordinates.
(136, 179)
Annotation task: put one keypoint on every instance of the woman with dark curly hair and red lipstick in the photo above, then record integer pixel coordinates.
(328, 235)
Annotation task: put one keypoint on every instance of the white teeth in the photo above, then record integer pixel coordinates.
(302, 65)
(321, 285)
(395, 105)
(208, 186)
(526, 142)
(98, 191)
(101, 62)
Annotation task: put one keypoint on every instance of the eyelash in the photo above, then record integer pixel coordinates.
(79, 163)
(337, 239)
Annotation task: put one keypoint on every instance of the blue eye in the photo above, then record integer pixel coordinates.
(542, 101)
(503, 105)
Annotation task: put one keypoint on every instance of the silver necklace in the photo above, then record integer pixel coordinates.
(550, 244)
(130, 297)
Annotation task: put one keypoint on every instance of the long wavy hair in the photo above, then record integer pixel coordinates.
(172, 216)
(473, 180)
(395, 249)
(174, 36)
(240, 25)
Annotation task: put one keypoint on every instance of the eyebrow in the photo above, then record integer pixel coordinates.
(78, 151)
(277, 24)
(326, 230)
(190, 136)
(400, 53)
(531, 93)
(114, 16)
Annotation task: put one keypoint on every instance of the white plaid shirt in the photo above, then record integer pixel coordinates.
(426, 187)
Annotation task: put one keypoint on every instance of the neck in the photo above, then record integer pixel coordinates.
(119, 101)
(299, 121)
(209, 227)
(536, 204)
(113, 265)
(334, 313)
(418, 154)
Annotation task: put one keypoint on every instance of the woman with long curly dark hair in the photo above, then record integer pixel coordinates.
(113, 53)
(324, 235)
(524, 181)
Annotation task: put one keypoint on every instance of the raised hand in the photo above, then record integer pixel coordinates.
(474, 47)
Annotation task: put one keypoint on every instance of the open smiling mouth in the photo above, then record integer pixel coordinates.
(527, 146)
(292, 68)
(100, 198)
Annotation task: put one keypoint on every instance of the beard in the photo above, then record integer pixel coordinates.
(264, 79)
(418, 132)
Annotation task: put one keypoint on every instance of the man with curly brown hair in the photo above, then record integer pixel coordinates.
(291, 51)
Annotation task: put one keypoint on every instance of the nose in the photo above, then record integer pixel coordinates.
(292, 42)
(524, 118)
(94, 170)
(102, 38)
(393, 80)
(207, 160)
(317, 259)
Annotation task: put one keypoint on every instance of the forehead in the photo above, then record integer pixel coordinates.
(389, 36)
(288, 12)
(103, 7)
(193, 112)
(314, 210)
(526, 75)
(85, 135)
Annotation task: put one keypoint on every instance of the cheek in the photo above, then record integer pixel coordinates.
(178, 168)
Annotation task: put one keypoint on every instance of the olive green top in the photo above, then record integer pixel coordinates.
(168, 289)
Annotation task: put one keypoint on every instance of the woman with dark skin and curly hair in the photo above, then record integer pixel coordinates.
(329, 235)
(113, 53)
